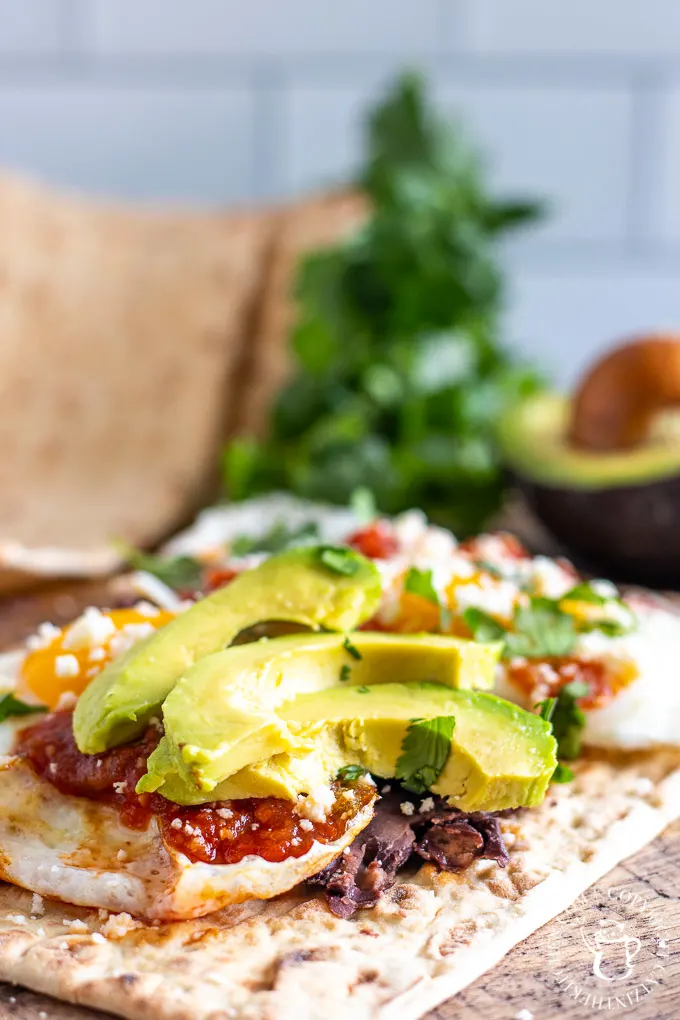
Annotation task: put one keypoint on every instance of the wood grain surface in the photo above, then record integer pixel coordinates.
(550, 975)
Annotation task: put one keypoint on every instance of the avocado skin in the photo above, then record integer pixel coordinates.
(629, 532)
(294, 586)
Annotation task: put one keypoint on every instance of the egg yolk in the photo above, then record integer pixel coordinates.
(48, 680)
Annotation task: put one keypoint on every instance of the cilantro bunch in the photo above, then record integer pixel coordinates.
(399, 373)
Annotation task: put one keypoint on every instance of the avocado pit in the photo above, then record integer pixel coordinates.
(602, 469)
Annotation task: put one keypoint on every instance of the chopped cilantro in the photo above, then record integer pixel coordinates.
(279, 537)
(546, 708)
(568, 719)
(11, 706)
(425, 751)
(351, 649)
(340, 559)
(488, 568)
(362, 504)
(345, 673)
(562, 774)
(362, 689)
(483, 626)
(541, 630)
(419, 582)
(350, 773)
(585, 592)
(179, 572)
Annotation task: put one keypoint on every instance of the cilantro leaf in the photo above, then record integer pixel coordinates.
(11, 706)
(546, 708)
(278, 538)
(488, 568)
(340, 559)
(419, 582)
(399, 370)
(568, 719)
(483, 627)
(585, 592)
(363, 505)
(562, 774)
(362, 690)
(541, 630)
(351, 649)
(424, 752)
(178, 572)
(345, 673)
(350, 773)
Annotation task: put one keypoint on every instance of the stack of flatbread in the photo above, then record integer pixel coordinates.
(132, 344)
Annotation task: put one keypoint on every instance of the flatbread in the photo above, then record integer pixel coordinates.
(291, 959)
(314, 223)
(120, 334)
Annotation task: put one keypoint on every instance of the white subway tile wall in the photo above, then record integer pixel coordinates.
(215, 101)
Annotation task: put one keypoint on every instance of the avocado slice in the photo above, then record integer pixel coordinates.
(500, 756)
(222, 715)
(295, 586)
(618, 512)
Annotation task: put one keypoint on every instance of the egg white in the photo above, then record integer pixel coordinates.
(68, 848)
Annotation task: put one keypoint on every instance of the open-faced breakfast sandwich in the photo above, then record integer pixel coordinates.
(430, 748)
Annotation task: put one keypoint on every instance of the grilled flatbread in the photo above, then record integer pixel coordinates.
(120, 333)
(310, 953)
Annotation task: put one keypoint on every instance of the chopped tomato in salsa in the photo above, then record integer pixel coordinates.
(223, 832)
(217, 577)
(377, 541)
(545, 678)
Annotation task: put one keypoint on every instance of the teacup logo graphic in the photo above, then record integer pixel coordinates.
(613, 949)
(608, 954)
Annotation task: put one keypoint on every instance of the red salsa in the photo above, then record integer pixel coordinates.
(377, 541)
(223, 832)
(544, 678)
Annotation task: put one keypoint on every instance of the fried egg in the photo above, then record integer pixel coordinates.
(78, 850)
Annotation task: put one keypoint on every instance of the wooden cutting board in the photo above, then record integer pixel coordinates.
(549, 975)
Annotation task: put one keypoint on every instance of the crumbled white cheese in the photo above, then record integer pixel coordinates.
(44, 636)
(128, 636)
(16, 918)
(76, 927)
(121, 855)
(407, 808)
(37, 905)
(118, 926)
(66, 666)
(120, 787)
(316, 804)
(67, 701)
(63, 945)
(306, 825)
(176, 823)
(549, 579)
(427, 804)
(42, 1015)
(295, 841)
(97, 654)
(96, 937)
(90, 630)
(497, 598)
(386, 788)
(524, 1014)
(605, 589)
(225, 813)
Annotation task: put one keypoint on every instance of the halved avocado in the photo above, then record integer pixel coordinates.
(619, 510)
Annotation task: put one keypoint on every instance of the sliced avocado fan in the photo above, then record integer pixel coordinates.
(223, 714)
(496, 755)
(296, 586)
